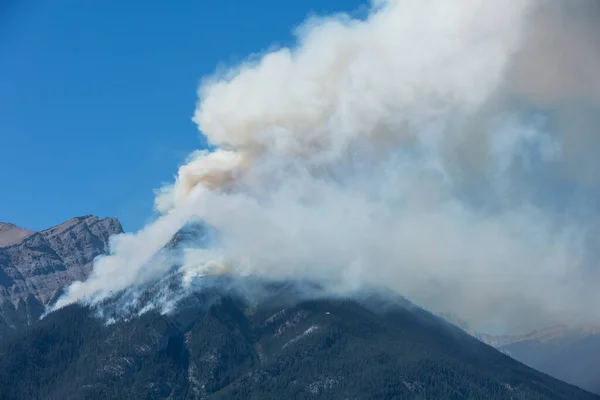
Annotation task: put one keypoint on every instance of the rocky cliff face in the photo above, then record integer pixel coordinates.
(36, 266)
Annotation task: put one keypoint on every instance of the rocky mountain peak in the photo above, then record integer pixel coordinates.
(11, 234)
(36, 266)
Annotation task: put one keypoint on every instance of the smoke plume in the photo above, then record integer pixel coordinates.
(441, 149)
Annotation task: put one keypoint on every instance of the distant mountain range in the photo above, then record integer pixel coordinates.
(569, 354)
(36, 266)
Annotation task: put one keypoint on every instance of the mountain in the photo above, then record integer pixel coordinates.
(11, 234)
(36, 266)
(230, 339)
(568, 354)
(572, 355)
(455, 320)
(219, 344)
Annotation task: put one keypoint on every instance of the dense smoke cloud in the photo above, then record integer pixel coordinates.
(428, 148)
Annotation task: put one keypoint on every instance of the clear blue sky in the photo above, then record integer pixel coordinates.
(96, 96)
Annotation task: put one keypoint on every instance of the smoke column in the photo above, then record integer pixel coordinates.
(441, 149)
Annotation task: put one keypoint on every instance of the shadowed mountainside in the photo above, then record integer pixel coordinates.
(221, 346)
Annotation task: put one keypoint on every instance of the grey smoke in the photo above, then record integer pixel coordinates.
(444, 150)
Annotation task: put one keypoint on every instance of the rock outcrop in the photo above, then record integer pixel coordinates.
(11, 234)
(36, 266)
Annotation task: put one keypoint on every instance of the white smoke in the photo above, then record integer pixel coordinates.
(414, 149)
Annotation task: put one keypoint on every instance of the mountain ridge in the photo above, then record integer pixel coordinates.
(11, 234)
(566, 353)
(35, 268)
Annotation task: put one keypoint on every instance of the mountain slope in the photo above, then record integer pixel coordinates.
(568, 354)
(224, 347)
(11, 234)
(36, 266)
(572, 355)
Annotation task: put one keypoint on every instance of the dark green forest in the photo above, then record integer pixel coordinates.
(320, 349)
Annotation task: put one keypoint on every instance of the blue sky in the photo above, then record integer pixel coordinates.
(96, 96)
